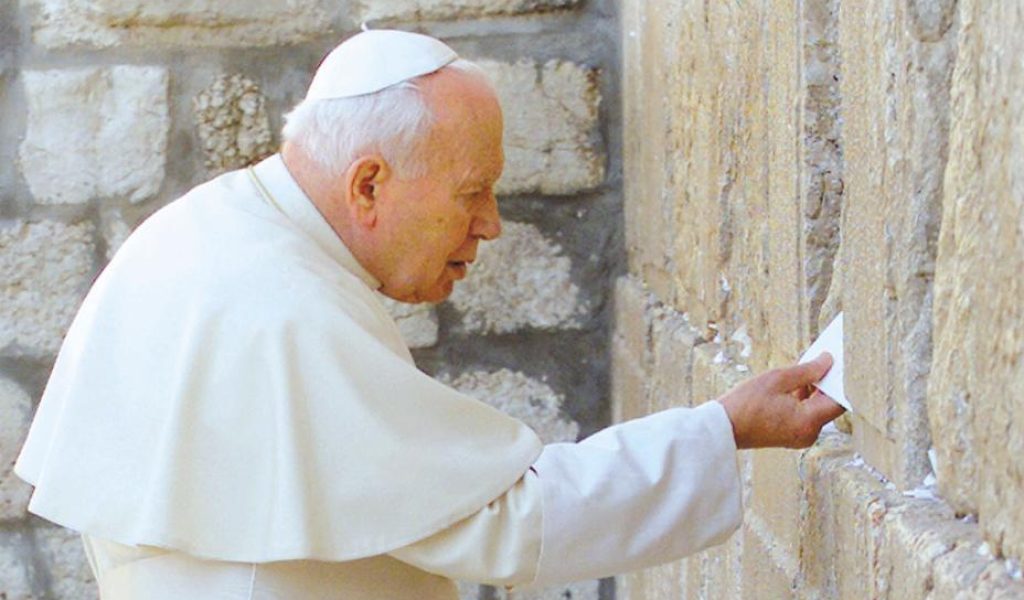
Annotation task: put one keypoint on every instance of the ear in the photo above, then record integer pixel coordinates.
(363, 179)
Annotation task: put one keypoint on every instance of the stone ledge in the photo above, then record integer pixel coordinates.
(890, 544)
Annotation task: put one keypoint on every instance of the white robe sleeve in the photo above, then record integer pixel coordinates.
(641, 493)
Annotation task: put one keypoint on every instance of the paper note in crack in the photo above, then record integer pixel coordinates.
(831, 341)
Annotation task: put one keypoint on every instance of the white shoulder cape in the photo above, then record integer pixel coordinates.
(233, 389)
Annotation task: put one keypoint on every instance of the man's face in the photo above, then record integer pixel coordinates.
(430, 226)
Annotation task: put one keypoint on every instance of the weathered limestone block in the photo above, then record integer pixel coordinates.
(15, 567)
(895, 127)
(232, 122)
(16, 408)
(409, 10)
(531, 401)
(718, 83)
(650, 56)
(975, 413)
(551, 140)
(520, 280)
(417, 322)
(45, 269)
(216, 23)
(69, 573)
(630, 352)
(805, 185)
(95, 133)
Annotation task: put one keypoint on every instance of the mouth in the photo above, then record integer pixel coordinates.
(460, 267)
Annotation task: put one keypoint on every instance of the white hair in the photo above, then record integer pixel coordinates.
(393, 122)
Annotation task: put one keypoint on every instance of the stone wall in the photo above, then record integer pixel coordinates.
(112, 108)
(787, 160)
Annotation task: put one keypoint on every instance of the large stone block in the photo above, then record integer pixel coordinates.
(16, 408)
(521, 280)
(976, 418)
(805, 185)
(409, 10)
(218, 23)
(16, 581)
(718, 150)
(95, 133)
(650, 58)
(232, 123)
(45, 269)
(531, 401)
(895, 125)
(69, 573)
(551, 141)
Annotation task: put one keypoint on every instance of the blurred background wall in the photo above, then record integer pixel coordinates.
(110, 109)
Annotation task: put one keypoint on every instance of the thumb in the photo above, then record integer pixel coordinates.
(798, 376)
(821, 408)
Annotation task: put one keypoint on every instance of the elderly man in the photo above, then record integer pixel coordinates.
(234, 415)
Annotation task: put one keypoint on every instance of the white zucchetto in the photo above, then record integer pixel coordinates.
(373, 60)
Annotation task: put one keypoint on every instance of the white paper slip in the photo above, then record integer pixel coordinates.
(831, 341)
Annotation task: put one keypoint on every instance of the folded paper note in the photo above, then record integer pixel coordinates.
(831, 341)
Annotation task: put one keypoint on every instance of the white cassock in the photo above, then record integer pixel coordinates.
(234, 415)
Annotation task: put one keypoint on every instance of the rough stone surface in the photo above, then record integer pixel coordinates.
(629, 349)
(45, 269)
(521, 280)
(69, 571)
(551, 142)
(896, 147)
(115, 232)
(106, 23)
(232, 122)
(786, 161)
(672, 343)
(408, 10)
(16, 408)
(532, 402)
(95, 133)
(977, 426)
(15, 569)
(417, 322)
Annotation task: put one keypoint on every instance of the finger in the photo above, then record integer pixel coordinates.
(797, 376)
(822, 408)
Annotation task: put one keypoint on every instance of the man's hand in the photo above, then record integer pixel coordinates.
(780, 407)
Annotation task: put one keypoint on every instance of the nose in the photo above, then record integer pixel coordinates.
(487, 221)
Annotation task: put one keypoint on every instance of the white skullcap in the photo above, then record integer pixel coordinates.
(373, 60)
